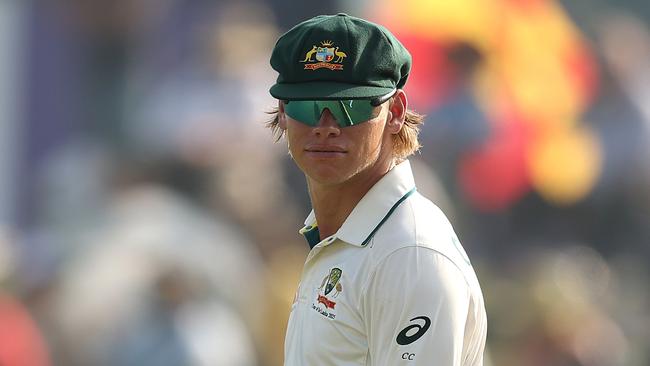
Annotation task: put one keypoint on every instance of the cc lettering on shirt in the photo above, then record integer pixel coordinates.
(408, 356)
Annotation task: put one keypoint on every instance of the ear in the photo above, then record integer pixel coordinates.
(282, 117)
(397, 112)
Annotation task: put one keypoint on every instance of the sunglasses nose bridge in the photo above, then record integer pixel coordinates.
(327, 125)
(339, 113)
(327, 118)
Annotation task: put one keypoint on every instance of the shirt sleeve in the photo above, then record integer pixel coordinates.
(415, 309)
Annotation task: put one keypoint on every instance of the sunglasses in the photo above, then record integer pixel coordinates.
(347, 113)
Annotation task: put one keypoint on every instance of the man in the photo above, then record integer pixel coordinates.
(386, 281)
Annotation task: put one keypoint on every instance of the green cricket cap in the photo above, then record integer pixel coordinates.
(331, 57)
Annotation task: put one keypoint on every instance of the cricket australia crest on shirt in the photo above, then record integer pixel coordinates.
(327, 55)
(329, 289)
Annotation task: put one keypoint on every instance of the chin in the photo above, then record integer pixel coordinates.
(327, 177)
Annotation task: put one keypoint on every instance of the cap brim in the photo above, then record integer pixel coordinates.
(324, 90)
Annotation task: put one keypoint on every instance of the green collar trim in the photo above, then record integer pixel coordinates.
(312, 235)
(390, 212)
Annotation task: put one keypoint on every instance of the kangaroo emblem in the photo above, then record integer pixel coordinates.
(309, 54)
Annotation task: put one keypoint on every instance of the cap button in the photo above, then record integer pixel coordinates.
(342, 14)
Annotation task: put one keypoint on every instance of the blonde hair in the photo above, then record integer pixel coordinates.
(405, 142)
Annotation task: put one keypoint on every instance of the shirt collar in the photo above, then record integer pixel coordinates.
(373, 209)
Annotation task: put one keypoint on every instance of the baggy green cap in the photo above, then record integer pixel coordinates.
(338, 57)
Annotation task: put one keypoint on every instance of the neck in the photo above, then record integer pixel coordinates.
(332, 204)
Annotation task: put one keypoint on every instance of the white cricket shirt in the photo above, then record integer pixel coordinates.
(392, 286)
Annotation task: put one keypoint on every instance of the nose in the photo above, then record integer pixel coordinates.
(327, 125)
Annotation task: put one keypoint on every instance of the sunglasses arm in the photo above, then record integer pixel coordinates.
(380, 100)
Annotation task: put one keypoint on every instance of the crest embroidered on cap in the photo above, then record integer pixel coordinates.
(324, 56)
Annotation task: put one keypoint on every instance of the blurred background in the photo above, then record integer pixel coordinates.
(147, 217)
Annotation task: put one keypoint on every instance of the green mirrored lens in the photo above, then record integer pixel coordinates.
(346, 112)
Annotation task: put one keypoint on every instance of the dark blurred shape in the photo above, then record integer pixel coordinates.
(465, 59)
(290, 13)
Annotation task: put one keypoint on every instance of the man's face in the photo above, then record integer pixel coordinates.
(329, 154)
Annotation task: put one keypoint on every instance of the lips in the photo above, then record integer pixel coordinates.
(325, 152)
(325, 149)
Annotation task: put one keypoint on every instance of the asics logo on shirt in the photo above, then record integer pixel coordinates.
(403, 338)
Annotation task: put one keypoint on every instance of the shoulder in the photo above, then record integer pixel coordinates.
(418, 223)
